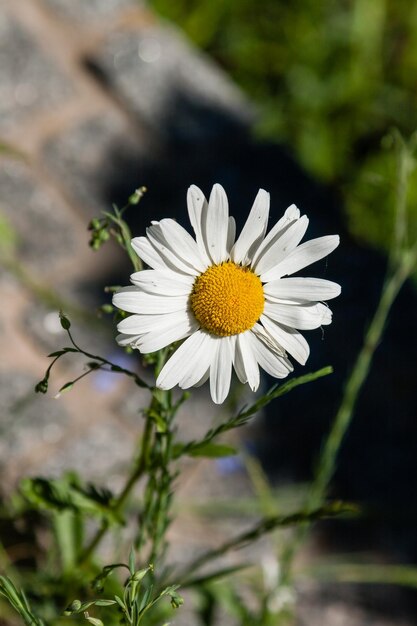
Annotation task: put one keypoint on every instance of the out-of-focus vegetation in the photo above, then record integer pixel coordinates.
(330, 78)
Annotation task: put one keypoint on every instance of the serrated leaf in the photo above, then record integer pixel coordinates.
(65, 494)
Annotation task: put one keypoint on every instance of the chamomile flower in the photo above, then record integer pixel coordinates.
(230, 299)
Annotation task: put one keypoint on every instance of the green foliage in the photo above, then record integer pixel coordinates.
(68, 494)
(19, 602)
(113, 225)
(329, 77)
(137, 598)
(63, 511)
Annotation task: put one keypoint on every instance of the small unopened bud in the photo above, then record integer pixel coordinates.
(42, 386)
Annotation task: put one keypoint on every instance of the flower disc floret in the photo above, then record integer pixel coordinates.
(227, 299)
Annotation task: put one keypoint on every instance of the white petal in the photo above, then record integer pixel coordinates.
(217, 224)
(198, 363)
(281, 247)
(197, 211)
(314, 289)
(221, 368)
(268, 340)
(290, 339)
(306, 254)
(182, 244)
(203, 379)
(127, 340)
(132, 300)
(163, 282)
(239, 366)
(248, 360)
(290, 215)
(301, 316)
(141, 324)
(166, 251)
(151, 342)
(274, 364)
(186, 356)
(145, 250)
(231, 233)
(253, 230)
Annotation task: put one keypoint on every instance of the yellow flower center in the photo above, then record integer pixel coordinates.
(227, 299)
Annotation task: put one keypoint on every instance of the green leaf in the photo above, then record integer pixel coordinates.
(213, 450)
(385, 574)
(65, 323)
(269, 524)
(67, 387)
(132, 561)
(94, 620)
(243, 416)
(67, 494)
(18, 601)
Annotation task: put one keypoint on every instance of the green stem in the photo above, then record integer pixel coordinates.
(328, 458)
(163, 496)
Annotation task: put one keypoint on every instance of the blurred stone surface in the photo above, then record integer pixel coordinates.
(90, 10)
(29, 79)
(100, 451)
(86, 156)
(171, 87)
(46, 229)
(27, 421)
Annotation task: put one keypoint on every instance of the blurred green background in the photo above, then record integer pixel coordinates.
(330, 78)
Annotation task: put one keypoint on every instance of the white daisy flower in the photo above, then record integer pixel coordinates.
(229, 299)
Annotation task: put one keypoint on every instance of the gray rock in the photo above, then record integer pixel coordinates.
(44, 226)
(90, 10)
(29, 81)
(27, 420)
(101, 452)
(87, 157)
(93, 335)
(169, 85)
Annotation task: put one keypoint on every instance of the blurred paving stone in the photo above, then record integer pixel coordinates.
(90, 10)
(101, 452)
(177, 91)
(27, 420)
(29, 80)
(46, 230)
(86, 157)
(42, 324)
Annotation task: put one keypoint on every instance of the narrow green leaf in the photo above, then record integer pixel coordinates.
(213, 450)
(94, 620)
(132, 561)
(67, 387)
(105, 602)
(384, 574)
(65, 323)
(120, 602)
